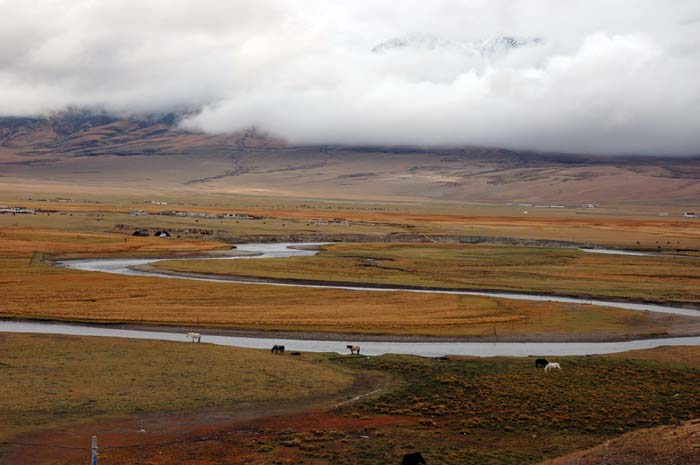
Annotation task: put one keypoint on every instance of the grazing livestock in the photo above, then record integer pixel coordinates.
(415, 458)
(552, 366)
(353, 349)
(278, 349)
(541, 363)
(195, 337)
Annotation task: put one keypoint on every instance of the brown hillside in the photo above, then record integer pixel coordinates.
(81, 149)
(665, 445)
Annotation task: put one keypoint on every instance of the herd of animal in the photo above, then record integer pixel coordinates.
(276, 349)
(546, 364)
(279, 350)
(409, 459)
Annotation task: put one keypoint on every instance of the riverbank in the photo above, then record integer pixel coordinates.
(679, 329)
(419, 348)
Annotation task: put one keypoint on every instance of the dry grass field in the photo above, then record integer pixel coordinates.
(519, 269)
(85, 225)
(622, 226)
(42, 291)
(39, 290)
(49, 381)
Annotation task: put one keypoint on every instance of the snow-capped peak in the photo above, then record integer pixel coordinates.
(497, 45)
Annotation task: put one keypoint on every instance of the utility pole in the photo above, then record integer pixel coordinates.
(94, 450)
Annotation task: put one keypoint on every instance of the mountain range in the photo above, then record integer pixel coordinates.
(94, 150)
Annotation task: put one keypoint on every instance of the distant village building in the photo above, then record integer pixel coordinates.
(140, 234)
(590, 205)
(138, 213)
(162, 234)
(16, 210)
(690, 215)
(240, 216)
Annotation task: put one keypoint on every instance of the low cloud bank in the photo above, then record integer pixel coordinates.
(595, 76)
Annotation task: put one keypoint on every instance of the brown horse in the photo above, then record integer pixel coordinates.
(353, 349)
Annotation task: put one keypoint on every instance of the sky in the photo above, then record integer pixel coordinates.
(591, 76)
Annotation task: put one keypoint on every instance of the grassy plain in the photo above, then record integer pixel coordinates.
(51, 380)
(622, 226)
(43, 291)
(465, 411)
(85, 226)
(507, 268)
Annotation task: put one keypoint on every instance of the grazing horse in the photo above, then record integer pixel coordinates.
(196, 337)
(552, 366)
(541, 362)
(353, 349)
(277, 349)
(415, 458)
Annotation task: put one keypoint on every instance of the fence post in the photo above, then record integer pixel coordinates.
(94, 450)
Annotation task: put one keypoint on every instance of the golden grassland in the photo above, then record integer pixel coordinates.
(521, 269)
(50, 380)
(23, 242)
(615, 226)
(37, 290)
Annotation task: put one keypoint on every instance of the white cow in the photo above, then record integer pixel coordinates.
(196, 337)
(552, 366)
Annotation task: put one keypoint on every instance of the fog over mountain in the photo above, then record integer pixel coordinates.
(585, 76)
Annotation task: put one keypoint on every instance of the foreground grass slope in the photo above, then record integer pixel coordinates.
(456, 410)
(53, 380)
(467, 411)
(522, 269)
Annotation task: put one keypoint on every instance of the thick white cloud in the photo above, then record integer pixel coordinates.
(610, 76)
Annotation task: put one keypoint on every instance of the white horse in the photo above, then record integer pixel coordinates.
(552, 366)
(196, 337)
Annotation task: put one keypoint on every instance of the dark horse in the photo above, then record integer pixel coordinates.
(277, 349)
(415, 458)
(541, 362)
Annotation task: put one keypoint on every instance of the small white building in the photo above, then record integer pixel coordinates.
(138, 213)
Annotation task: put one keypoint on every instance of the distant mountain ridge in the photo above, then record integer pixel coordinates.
(86, 133)
(152, 152)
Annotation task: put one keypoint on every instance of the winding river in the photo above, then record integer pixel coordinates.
(429, 349)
